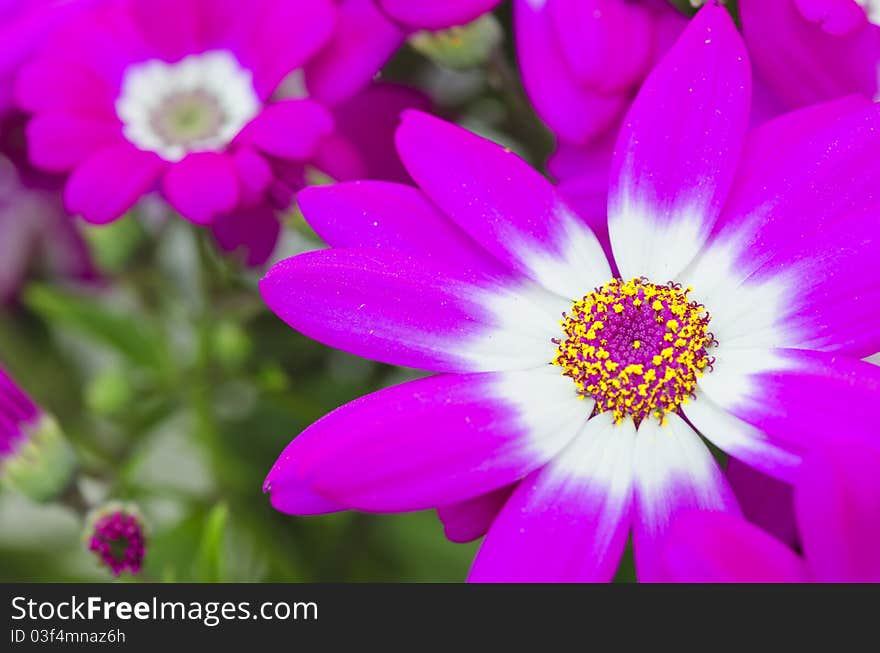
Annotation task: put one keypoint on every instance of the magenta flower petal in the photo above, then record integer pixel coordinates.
(469, 520)
(294, 499)
(503, 203)
(59, 141)
(778, 456)
(568, 521)
(672, 166)
(253, 230)
(674, 474)
(43, 85)
(786, 213)
(392, 216)
(288, 34)
(339, 159)
(719, 548)
(105, 40)
(109, 183)
(576, 113)
(432, 442)
(358, 300)
(202, 186)
(271, 131)
(814, 53)
(436, 15)
(170, 27)
(837, 499)
(368, 122)
(764, 500)
(254, 173)
(364, 40)
(835, 16)
(608, 44)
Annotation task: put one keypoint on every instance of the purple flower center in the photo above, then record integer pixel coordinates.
(118, 540)
(636, 347)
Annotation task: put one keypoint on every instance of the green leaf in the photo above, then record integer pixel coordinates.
(210, 560)
(129, 335)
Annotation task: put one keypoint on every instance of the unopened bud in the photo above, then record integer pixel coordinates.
(459, 48)
(35, 457)
(117, 536)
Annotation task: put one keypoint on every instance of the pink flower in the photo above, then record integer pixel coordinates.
(738, 303)
(181, 96)
(837, 501)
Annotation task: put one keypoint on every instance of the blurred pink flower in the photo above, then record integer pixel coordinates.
(187, 97)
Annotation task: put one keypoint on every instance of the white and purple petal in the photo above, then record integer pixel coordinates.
(397, 308)
(568, 521)
(672, 167)
(792, 262)
(674, 474)
(792, 399)
(503, 204)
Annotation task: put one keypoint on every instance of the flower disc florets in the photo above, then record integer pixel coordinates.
(636, 347)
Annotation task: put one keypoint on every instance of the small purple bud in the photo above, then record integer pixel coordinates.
(117, 536)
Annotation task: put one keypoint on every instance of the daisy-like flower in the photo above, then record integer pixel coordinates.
(117, 536)
(573, 390)
(35, 459)
(136, 95)
(837, 500)
(809, 51)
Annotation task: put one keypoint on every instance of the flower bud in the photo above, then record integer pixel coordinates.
(116, 535)
(35, 457)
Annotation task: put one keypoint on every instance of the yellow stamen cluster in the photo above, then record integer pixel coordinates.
(636, 347)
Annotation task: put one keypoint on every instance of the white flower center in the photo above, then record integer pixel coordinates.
(197, 104)
(872, 8)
